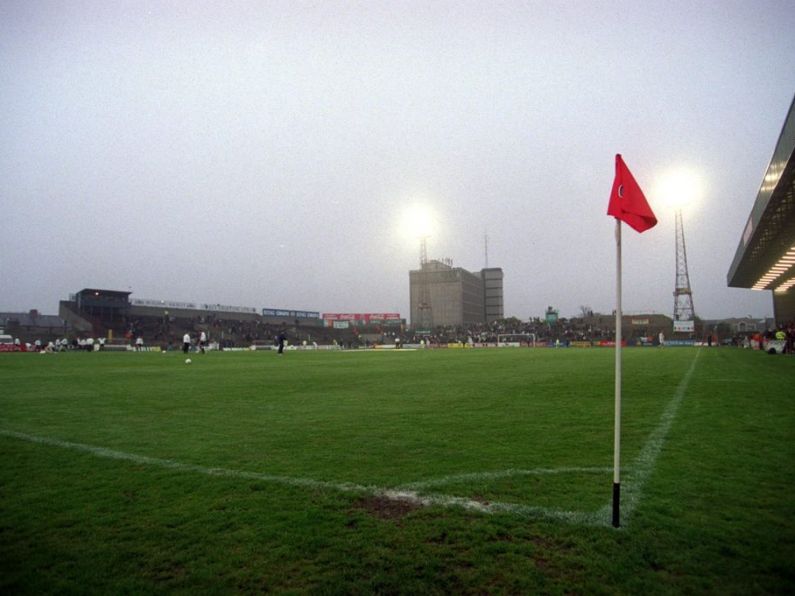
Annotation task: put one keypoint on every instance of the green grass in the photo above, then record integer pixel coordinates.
(527, 434)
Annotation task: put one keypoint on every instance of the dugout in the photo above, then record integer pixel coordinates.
(765, 257)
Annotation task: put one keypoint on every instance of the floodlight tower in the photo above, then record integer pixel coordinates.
(683, 295)
(424, 313)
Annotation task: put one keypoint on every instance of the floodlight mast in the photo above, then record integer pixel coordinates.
(424, 313)
(683, 295)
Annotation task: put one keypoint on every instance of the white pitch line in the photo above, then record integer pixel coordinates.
(435, 482)
(632, 489)
(347, 487)
(183, 467)
(646, 461)
(636, 477)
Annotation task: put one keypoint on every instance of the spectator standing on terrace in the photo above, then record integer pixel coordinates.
(202, 341)
(185, 343)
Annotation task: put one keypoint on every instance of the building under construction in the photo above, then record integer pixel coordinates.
(443, 295)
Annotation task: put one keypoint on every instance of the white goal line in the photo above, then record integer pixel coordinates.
(636, 478)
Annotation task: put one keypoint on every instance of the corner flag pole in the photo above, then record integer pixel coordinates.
(628, 204)
(617, 429)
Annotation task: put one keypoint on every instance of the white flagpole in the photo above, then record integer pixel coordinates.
(617, 431)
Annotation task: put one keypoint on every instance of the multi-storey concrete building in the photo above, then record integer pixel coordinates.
(441, 294)
(492, 293)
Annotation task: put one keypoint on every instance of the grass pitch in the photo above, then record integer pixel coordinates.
(463, 471)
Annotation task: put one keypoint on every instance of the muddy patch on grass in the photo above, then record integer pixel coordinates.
(386, 508)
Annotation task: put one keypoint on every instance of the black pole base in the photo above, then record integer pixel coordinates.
(616, 504)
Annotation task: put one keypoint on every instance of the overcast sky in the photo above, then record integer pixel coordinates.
(262, 153)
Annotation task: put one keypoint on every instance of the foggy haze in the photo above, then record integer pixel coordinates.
(262, 153)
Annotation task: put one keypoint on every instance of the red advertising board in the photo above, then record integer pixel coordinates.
(363, 317)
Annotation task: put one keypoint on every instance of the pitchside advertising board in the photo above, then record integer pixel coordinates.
(345, 320)
(290, 314)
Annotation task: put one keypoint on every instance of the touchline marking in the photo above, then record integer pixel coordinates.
(183, 467)
(423, 484)
(646, 460)
(347, 487)
(636, 477)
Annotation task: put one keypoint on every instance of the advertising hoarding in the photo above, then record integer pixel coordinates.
(360, 319)
(290, 314)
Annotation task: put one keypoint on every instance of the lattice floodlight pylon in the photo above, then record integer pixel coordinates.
(683, 294)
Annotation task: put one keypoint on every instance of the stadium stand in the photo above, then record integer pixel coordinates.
(161, 324)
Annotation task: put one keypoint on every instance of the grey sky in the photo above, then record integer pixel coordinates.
(261, 153)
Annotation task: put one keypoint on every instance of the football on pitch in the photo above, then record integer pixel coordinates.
(188, 361)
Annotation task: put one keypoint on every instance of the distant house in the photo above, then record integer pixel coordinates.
(32, 325)
(741, 325)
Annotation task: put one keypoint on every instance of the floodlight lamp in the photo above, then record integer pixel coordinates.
(417, 221)
(679, 187)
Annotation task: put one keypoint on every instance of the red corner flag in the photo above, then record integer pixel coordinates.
(627, 202)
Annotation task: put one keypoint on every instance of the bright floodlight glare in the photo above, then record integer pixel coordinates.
(417, 221)
(679, 188)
